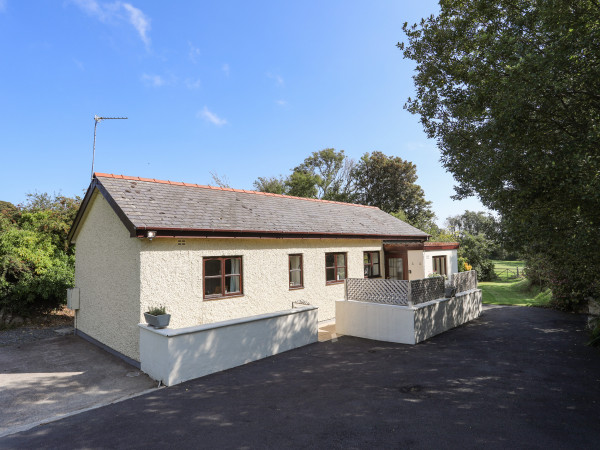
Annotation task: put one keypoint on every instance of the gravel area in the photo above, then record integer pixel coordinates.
(25, 335)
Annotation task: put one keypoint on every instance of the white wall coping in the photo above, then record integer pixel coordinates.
(419, 305)
(172, 332)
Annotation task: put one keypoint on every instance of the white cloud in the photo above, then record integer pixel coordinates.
(91, 7)
(225, 69)
(153, 80)
(193, 84)
(211, 117)
(117, 12)
(2, 5)
(194, 52)
(281, 102)
(278, 78)
(139, 21)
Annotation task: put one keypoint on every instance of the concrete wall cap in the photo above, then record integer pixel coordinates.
(172, 332)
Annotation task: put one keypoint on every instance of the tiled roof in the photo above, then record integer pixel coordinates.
(150, 204)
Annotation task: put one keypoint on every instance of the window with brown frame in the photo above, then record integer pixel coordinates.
(296, 274)
(336, 267)
(439, 265)
(222, 277)
(371, 263)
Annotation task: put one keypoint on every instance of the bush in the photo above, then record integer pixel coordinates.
(474, 251)
(485, 271)
(33, 279)
(36, 267)
(463, 265)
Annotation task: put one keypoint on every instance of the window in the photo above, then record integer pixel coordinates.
(371, 262)
(296, 276)
(222, 276)
(336, 265)
(439, 265)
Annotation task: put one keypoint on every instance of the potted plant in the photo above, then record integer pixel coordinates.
(157, 317)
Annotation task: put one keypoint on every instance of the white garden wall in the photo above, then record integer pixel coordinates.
(406, 324)
(176, 355)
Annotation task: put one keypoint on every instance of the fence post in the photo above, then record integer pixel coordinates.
(346, 289)
(409, 293)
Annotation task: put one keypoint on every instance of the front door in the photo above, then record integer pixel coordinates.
(395, 268)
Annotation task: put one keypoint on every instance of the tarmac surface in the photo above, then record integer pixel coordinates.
(50, 378)
(514, 378)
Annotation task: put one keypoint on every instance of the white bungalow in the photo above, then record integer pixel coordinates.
(213, 254)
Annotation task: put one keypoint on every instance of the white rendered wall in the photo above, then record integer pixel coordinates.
(176, 355)
(435, 317)
(451, 260)
(375, 321)
(107, 274)
(171, 274)
(406, 324)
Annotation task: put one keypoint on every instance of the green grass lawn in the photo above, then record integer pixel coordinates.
(514, 267)
(513, 291)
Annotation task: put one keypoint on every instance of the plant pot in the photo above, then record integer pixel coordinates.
(161, 321)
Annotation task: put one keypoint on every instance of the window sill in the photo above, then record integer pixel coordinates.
(223, 297)
(327, 283)
(296, 288)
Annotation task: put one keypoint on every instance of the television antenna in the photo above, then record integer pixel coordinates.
(97, 120)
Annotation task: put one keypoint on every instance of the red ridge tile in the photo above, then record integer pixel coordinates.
(181, 183)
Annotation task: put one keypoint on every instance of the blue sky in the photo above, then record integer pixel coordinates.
(242, 89)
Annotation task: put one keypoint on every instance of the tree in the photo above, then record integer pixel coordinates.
(326, 174)
(332, 172)
(272, 185)
(473, 223)
(509, 89)
(34, 276)
(302, 184)
(36, 262)
(389, 182)
(7, 209)
(51, 215)
(220, 180)
(477, 249)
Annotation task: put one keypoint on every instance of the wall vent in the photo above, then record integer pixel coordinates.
(180, 241)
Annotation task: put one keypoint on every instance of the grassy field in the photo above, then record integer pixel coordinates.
(514, 291)
(508, 269)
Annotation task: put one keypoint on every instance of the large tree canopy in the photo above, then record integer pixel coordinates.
(511, 92)
(388, 182)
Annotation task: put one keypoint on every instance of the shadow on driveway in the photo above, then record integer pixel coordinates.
(53, 377)
(516, 377)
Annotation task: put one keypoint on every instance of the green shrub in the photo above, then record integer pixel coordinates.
(157, 310)
(36, 263)
(34, 276)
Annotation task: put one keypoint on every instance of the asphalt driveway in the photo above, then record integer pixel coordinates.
(50, 378)
(514, 378)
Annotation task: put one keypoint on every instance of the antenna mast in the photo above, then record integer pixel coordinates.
(97, 120)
